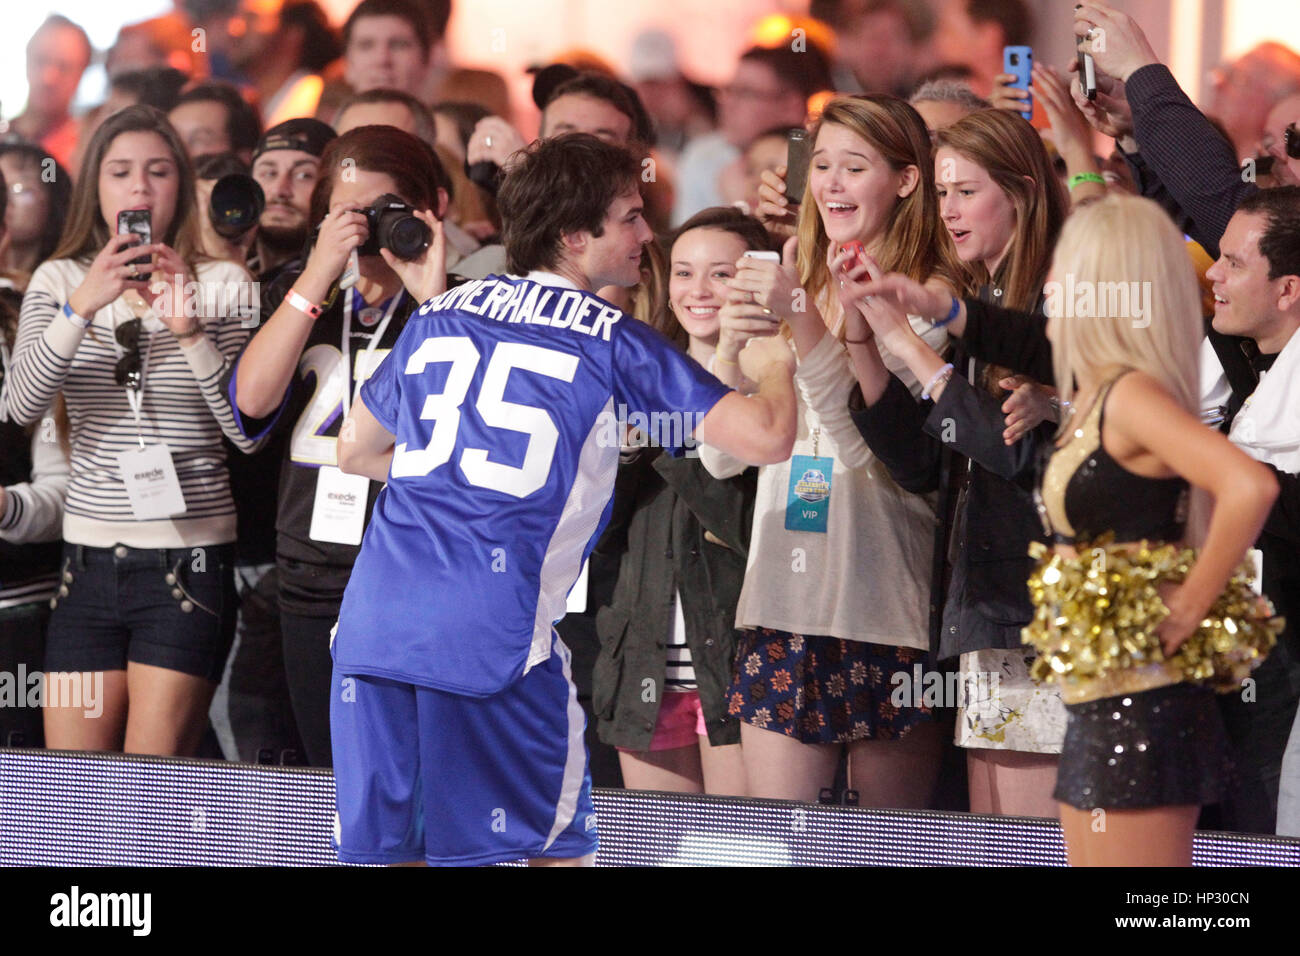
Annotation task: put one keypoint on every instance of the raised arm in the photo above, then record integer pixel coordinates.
(759, 428)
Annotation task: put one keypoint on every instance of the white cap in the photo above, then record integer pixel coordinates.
(654, 57)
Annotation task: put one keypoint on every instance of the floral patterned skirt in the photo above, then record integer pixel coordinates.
(823, 690)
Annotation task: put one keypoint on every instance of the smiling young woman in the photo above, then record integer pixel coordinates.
(684, 539)
(837, 582)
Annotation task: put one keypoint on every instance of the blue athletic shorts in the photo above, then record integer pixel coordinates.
(422, 774)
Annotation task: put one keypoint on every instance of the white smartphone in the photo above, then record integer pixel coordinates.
(766, 256)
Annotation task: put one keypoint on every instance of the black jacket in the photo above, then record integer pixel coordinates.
(985, 488)
(675, 529)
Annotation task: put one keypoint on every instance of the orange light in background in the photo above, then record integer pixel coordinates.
(777, 29)
(817, 102)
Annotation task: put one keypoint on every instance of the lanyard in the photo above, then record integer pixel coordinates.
(135, 396)
(351, 393)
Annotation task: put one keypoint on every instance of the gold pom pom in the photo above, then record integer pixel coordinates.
(1096, 616)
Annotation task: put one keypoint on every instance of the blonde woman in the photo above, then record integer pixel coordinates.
(835, 599)
(1142, 744)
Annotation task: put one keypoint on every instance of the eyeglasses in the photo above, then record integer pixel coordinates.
(128, 370)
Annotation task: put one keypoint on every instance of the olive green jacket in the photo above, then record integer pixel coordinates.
(675, 528)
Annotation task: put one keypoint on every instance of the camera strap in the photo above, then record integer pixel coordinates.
(351, 391)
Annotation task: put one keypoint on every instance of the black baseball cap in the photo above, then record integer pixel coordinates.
(304, 133)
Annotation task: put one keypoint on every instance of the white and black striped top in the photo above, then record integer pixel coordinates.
(184, 405)
(680, 675)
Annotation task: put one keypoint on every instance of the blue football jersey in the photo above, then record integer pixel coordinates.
(506, 397)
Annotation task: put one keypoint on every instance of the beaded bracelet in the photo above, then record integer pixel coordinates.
(940, 377)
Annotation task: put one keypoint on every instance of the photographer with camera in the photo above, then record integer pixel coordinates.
(378, 254)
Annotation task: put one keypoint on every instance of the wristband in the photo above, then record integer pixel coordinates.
(1078, 179)
(940, 377)
(303, 304)
(75, 319)
(951, 316)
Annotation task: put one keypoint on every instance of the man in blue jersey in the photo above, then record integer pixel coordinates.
(457, 734)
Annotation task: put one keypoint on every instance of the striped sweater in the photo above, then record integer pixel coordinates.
(184, 407)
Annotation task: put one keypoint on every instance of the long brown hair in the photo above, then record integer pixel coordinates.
(727, 219)
(1010, 150)
(86, 232)
(911, 243)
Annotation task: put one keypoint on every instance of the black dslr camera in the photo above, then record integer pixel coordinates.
(393, 226)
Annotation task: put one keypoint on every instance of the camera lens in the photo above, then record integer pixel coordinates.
(402, 234)
(236, 205)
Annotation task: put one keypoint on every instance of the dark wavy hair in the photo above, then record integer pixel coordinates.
(560, 186)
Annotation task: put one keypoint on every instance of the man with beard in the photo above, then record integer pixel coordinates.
(285, 164)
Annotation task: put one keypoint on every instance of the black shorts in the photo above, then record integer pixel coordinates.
(1158, 748)
(168, 607)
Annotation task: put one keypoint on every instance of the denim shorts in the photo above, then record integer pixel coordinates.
(167, 607)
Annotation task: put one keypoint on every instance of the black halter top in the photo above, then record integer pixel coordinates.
(1084, 493)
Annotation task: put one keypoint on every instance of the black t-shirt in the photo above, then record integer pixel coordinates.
(313, 574)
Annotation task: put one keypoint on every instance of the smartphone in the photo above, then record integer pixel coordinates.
(798, 154)
(136, 222)
(1019, 62)
(1087, 70)
(761, 254)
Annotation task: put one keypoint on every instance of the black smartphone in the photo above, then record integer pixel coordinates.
(1087, 69)
(136, 222)
(798, 155)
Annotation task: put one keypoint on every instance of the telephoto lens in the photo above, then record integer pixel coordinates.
(236, 205)
(393, 226)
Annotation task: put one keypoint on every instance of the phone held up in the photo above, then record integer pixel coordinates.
(798, 156)
(1087, 69)
(1019, 62)
(136, 222)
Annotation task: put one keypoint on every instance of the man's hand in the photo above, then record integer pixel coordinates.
(1008, 97)
(1116, 42)
(493, 141)
(426, 276)
(764, 356)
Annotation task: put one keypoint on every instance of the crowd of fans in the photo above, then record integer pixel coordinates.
(743, 630)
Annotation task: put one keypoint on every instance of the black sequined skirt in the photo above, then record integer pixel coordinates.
(1156, 748)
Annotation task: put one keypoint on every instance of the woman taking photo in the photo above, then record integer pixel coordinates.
(837, 583)
(1002, 208)
(146, 603)
(302, 370)
(684, 539)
